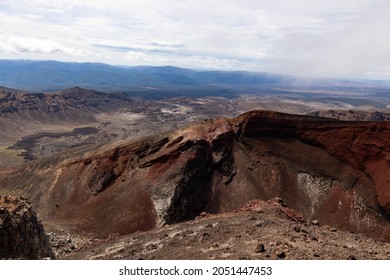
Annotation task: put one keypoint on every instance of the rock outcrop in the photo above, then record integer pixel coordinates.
(352, 115)
(70, 104)
(332, 171)
(21, 233)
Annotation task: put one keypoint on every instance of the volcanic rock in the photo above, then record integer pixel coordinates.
(332, 171)
(281, 255)
(352, 115)
(260, 248)
(234, 235)
(21, 234)
(58, 105)
(315, 222)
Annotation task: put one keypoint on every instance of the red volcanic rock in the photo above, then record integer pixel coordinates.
(332, 171)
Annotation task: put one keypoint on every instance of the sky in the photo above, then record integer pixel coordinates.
(314, 38)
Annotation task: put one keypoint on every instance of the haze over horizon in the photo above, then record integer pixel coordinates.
(303, 38)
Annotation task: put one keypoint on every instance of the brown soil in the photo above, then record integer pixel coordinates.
(261, 230)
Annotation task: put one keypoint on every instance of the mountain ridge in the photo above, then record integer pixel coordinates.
(55, 75)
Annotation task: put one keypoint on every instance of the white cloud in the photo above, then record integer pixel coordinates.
(319, 37)
(197, 61)
(19, 45)
(356, 49)
(135, 57)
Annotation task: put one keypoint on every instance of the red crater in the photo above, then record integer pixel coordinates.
(336, 172)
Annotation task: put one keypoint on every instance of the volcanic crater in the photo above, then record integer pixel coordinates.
(336, 172)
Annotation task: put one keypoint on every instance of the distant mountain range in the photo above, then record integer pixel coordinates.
(54, 75)
(168, 81)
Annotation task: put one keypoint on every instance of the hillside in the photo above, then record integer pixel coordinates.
(265, 230)
(352, 115)
(331, 171)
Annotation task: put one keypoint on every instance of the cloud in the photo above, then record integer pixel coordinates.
(189, 61)
(18, 45)
(356, 49)
(306, 37)
(141, 57)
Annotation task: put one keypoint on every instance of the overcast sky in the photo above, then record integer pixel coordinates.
(325, 38)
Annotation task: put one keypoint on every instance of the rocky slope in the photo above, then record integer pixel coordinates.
(36, 125)
(352, 115)
(332, 171)
(258, 230)
(74, 104)
(33, 125)
(21, 233)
